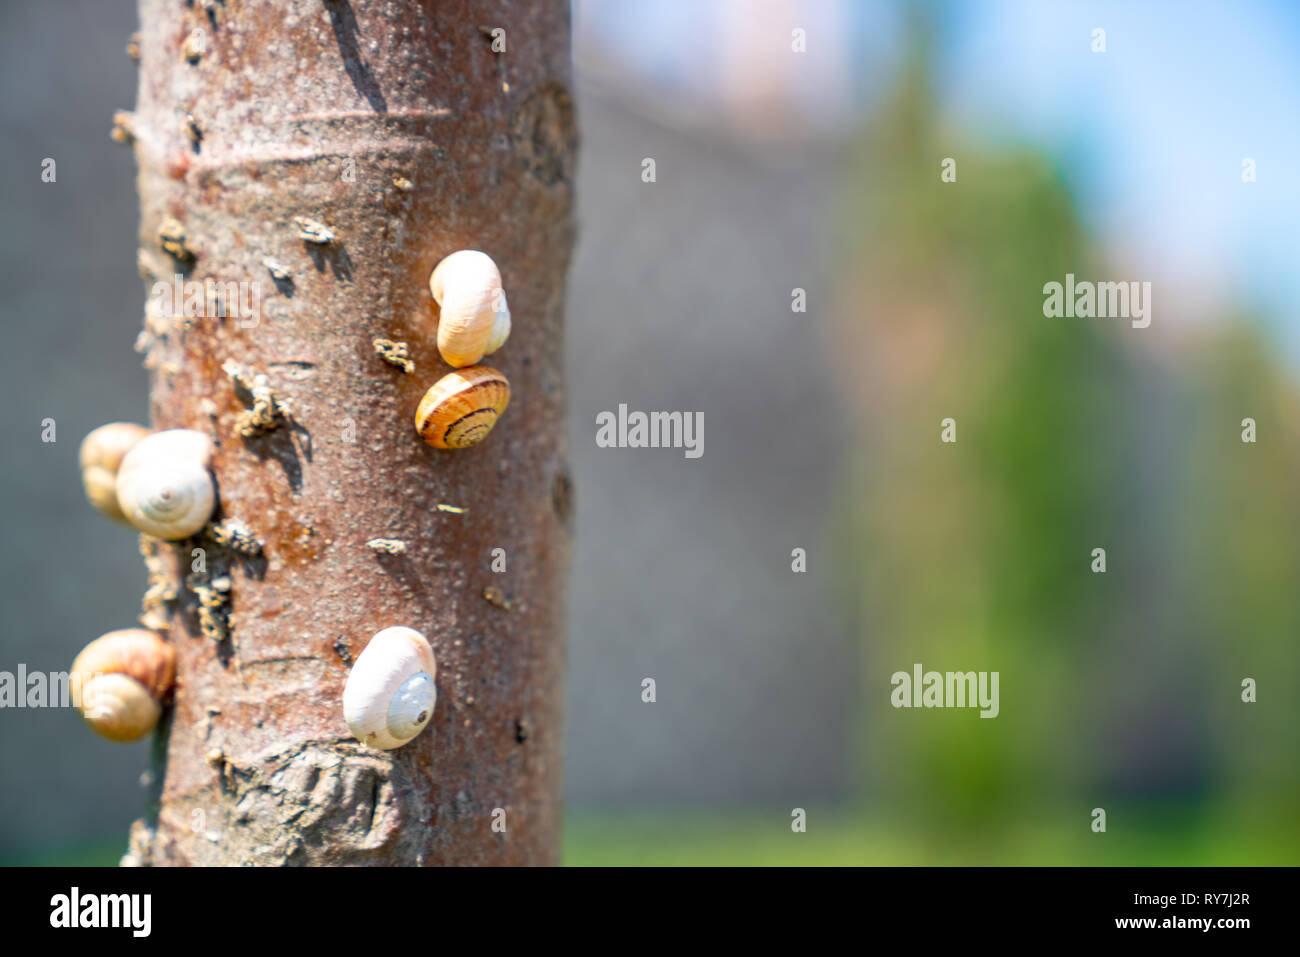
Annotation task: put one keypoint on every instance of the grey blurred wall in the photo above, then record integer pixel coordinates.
(679, 299)
(72, 304)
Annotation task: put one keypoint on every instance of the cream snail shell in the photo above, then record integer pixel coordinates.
(101, 456)
(122, 679)
(164, 487)
(460, 409)
(475, 319)
(390, 694)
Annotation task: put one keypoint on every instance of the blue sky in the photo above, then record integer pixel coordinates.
(1152, 132)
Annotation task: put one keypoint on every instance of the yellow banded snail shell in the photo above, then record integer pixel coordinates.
(101, 457)
(474, 318)
(460, 409)
(390, 693)
(164, 487)
(122, 679)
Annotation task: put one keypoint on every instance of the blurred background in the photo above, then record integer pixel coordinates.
(817, 170)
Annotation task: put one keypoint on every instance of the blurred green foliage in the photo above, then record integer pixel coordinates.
(843, 837)
(1118, 690)
(1159, 836)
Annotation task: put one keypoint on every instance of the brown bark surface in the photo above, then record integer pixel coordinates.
(453, 146)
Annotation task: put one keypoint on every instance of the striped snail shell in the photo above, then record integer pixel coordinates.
(461, 408)
(122, 679)
(474, 318)
(164, 487)
(390, 693)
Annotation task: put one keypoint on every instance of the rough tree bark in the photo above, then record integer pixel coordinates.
(397, 125)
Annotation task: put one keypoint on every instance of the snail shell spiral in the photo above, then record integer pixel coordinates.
(390, 693)
(122, 678)
(164, 487)
(461, 408)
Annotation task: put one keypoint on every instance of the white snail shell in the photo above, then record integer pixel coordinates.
(101, 456)
(122, 678)
(475, 318)
(390, 694)
(164, 487)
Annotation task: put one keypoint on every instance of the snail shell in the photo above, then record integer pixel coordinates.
(475, 318)
(390, 694)
(164, 487)
(101, 456)
(123, 678)
(460, 409)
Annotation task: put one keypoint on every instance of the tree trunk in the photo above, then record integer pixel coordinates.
(400, 128)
